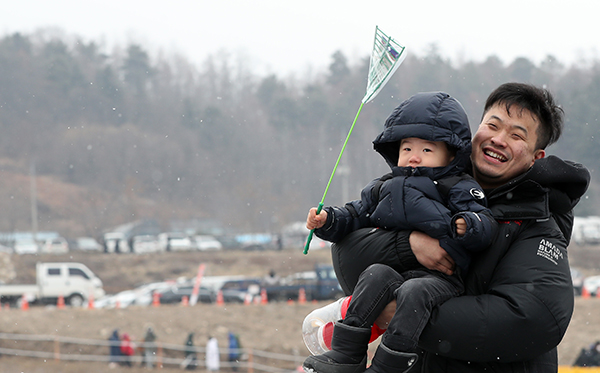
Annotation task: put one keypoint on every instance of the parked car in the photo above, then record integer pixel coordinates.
(56, 245)
(175, 293)
(207, 243)
(145, 244)
(237, 291)
(116, 242)
(87, 244)
(140, 296)
(74, 281)
(319, 284)
(591, 285)
(175, 241)
(26, 246)
(124, 299)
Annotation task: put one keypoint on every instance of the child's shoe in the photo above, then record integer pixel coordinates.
(387, 360)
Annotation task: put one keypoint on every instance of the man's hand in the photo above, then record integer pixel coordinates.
(314, 221)
(429, 253)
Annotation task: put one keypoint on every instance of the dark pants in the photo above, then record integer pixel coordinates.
(416, 293)
(360, 249)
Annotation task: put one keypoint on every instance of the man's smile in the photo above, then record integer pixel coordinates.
(497, 156)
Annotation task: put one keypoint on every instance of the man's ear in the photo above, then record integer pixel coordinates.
(539, 154)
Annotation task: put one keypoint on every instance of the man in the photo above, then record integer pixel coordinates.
(519, 299)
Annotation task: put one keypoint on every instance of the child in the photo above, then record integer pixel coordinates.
(427, 143)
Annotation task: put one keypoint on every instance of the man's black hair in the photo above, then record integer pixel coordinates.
(538, 101)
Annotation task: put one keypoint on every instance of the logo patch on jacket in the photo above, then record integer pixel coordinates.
(549, 251)
(477, 193)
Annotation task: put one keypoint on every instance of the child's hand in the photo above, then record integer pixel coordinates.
(314, 221)
(461, 226)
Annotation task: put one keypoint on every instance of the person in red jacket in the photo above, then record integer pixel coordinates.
(127, 349)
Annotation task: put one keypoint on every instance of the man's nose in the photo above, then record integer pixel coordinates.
(499, 139)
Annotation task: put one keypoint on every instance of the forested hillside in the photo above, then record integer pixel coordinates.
(118, 135)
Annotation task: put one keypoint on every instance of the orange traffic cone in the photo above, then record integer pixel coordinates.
(117, 304)
(185, 301)
(263, 297)
(290, 301)
(301, 296)
(24, 303)
(91, 302)
(585, 294)
(248, 299)
(220, 300)
(155, 299)
(60, 303)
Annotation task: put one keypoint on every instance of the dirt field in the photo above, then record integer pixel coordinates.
(274, 327)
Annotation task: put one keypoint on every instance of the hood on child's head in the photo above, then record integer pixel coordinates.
(433, 116)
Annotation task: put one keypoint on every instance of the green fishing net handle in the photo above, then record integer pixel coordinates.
(320, 207)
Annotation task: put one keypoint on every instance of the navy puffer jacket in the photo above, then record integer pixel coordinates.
(423, 198)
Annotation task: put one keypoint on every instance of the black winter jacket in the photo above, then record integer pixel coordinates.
(423, 198)
(519, 295)
(419, 203)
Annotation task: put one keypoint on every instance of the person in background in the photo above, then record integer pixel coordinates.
(190, 361)
(149, 349)
(114, 349)
(213, 361)
(127, 350)
(234, 351)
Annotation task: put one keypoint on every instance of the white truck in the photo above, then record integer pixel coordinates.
(75, 282)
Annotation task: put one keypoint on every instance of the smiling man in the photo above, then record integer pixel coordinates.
(518, 294)
(509, 140)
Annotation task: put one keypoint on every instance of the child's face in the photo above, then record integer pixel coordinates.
(415, 152)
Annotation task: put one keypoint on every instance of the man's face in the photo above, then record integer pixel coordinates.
(504, 145)
(415, 152)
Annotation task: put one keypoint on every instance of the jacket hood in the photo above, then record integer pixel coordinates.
(552, 186)
(433, 116)
(566, 182)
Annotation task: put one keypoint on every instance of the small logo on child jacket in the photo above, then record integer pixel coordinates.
(477, 193)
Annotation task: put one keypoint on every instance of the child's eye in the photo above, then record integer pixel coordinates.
(405, 149)
(427, 150)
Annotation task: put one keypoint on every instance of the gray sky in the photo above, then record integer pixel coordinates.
(284, 37)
